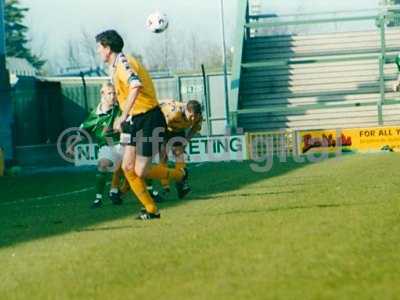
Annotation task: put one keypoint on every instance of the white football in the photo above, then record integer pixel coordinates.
(157, 22)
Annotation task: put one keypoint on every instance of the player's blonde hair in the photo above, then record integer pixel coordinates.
(105, 85)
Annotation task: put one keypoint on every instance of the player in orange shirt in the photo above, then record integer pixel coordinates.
(183, 122)
(142, 123)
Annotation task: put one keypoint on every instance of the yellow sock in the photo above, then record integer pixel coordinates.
(125, 186)
(162, 172)
(180, 165)
(138, 186)
(164, 181)
(116, 178)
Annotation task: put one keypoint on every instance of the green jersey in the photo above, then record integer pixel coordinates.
(99, 125)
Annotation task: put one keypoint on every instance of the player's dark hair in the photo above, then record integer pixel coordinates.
(194, 106)
(110, 38)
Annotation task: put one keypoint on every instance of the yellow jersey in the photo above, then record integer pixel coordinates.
(175, 117)
(127, 73)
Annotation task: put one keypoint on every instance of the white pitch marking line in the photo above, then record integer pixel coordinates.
(47, 197)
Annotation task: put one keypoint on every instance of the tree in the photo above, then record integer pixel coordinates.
(194, 51)
(73, 55)
(161, 53)
(16, 33)
(88, 45)
(80, 54)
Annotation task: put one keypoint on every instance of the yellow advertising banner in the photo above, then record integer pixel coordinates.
(354, 139)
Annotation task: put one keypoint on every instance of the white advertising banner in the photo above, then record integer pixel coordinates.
(206, 149)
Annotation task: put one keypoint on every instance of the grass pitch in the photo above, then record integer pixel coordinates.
(329, 230)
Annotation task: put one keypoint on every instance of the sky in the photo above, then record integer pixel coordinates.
(53, 23)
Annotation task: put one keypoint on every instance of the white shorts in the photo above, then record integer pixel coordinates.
(113, 154)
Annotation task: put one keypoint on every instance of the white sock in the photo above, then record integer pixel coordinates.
(99, 196)
(114, 191)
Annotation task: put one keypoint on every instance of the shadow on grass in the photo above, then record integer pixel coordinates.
(29, 212)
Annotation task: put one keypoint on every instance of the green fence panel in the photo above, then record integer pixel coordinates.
(26, 112)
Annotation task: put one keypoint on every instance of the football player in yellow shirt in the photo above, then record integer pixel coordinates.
(142, 123)
(183, 122)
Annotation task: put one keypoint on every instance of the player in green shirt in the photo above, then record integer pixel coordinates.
(99, 125)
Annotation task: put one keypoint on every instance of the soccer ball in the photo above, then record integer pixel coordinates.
(157, 22)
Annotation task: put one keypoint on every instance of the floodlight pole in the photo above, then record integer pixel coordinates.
(225, 65)
(6, 139)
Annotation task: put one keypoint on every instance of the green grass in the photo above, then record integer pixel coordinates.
(329, 230)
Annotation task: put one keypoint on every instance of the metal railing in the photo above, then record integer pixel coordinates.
(65, 102)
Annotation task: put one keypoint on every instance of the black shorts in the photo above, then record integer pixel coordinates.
(175, 139)
(145, 131)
